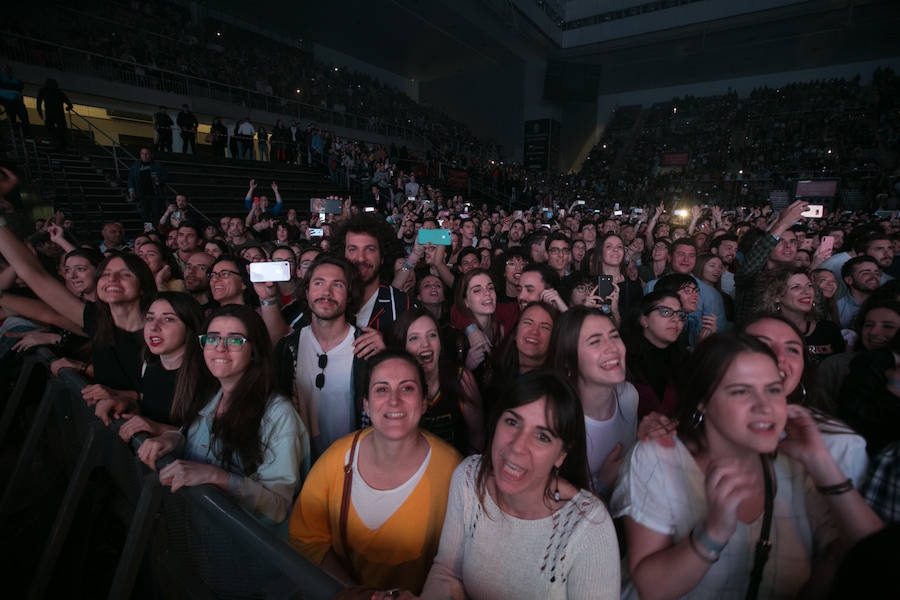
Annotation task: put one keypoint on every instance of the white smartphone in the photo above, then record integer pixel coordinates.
(815, 211)
(270, 271)
(315, 232)
(369, 209)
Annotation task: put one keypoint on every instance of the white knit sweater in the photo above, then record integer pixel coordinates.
(487, 554)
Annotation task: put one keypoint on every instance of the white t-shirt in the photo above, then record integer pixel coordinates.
(365, 312)
(331, 411)
(663, 489)
(621, 428)
(375, 507)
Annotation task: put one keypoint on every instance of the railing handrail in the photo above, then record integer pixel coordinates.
(119, 161)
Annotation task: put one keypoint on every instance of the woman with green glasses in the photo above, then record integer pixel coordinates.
(238, 433)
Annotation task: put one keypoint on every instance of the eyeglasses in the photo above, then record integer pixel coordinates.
(320, 378)
(222, 274)
(583, 288)
(233, 343)
(515, 263)
(667, 313)
(689, 289)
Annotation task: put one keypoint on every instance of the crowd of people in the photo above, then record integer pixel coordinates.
(727, 149)
(157, 38)
(446, 400)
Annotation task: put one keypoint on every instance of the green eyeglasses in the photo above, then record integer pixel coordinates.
(233, 343)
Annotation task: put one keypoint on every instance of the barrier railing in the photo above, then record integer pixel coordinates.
(195, 543)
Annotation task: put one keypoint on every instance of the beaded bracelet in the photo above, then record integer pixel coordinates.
(837, 489)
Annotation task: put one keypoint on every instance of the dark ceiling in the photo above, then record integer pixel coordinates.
(419, 39)
(814, 34)
(431, 39)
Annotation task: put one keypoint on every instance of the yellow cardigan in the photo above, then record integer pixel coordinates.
(399, 553)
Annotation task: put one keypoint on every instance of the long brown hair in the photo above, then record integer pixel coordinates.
(236, 432)
(564, 417)
(459, 299)
(105, 334)
(707, 366)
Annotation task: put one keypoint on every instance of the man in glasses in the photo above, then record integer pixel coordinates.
(319, 362)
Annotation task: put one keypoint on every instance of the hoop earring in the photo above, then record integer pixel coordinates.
(696, 419)
(802, 393)
(555, 472)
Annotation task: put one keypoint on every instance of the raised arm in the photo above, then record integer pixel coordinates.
(29, 269)
(37, 310)
(248, 199)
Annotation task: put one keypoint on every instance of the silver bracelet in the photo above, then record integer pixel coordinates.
(268, 302)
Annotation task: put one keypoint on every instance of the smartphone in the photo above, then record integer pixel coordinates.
(616, 206)
(617, 213)
(369, 209)
(604, 285)
(438, 237)
(315, 232)
(827, 243)
(463, 215)
(270, 271)
(814, 211)
(580, 202)
(637, 210)
(329, 206)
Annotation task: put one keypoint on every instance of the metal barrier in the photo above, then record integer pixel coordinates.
(196, 543)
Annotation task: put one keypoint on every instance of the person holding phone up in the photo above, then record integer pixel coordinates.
(607, 264)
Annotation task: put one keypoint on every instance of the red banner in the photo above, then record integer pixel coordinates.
(674, 159)
(458, 178)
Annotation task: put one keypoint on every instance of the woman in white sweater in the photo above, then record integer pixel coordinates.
(520, 521)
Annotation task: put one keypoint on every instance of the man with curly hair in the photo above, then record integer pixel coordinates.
(372, 247)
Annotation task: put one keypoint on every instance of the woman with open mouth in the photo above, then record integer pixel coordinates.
(790, 292)
(586, 346)
(372, 508)
(454, 411)
(521, 521)
(171, 325)
(721, 514)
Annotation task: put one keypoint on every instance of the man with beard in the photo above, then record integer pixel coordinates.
(516, 233)
(725, 247)
(196, 279)
(319, 363)
(370, 246)
(407, 235)
(862, 276)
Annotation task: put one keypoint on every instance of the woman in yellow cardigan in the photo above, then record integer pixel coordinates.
(398, 488)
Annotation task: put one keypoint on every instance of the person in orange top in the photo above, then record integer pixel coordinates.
(398, 488)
